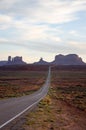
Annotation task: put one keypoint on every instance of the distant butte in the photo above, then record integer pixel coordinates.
(70, 59)
(13, 61)
(41, 62)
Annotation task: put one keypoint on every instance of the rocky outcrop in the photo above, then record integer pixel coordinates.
(41, 62)
(71, 59)
(15, 60)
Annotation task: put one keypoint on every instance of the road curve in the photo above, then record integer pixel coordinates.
(12, 108)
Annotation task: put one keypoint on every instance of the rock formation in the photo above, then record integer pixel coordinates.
(41, 62)
(71, 59)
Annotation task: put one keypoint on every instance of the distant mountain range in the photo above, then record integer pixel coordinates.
(70, 59)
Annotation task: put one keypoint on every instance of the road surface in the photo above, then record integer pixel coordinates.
(12, 108)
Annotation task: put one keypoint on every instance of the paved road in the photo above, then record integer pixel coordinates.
(12, 108)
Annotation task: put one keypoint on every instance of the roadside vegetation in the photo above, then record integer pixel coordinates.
(64, 108)
(19, 83)
(71, 87)
(65, 105)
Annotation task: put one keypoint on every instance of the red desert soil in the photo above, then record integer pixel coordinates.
(56, 115)
(64, 108)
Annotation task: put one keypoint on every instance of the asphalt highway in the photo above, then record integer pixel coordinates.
(12, 108)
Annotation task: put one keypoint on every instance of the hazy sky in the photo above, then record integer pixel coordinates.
(42, 28)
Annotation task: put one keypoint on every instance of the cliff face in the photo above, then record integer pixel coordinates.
(71, 59)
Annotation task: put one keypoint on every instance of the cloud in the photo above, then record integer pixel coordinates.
(35, 24)
(30, 19)
(4, 41)
(45, 47)
(6, 4)
(5, 21)
(78, 46)
(32, 32)
(73, 33)
(43, 11)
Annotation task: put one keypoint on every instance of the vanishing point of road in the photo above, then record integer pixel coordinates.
(12, 108)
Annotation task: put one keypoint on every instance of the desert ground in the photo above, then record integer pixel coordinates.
(64, 108)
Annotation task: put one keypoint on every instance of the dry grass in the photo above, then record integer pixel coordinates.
(71, 87)
(18, 83)
(58, 111)
(64, 106)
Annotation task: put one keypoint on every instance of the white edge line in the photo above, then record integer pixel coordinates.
(21, 112)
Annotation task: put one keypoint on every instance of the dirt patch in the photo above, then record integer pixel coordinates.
(64, 112)
(63, 109)
(18, 83)
(55, 115)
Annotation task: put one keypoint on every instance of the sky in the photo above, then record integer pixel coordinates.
(42, 28)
